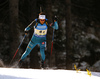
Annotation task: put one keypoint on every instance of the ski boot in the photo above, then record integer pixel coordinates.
(20, 63)
(42, 64)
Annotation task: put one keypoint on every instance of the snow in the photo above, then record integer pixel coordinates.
(92, 36)
(96, 66)
(17, 73)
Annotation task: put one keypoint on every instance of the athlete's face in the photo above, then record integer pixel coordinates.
(42, 21)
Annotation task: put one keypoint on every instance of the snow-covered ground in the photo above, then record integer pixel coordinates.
(16, 73)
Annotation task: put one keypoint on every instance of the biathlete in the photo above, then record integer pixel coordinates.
(39, 35)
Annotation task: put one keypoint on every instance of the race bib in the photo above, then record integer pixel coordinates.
(40, 32)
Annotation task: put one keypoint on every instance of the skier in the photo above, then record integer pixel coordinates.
(39, 35)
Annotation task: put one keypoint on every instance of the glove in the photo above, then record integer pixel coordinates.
(55, 18)
(26, 32)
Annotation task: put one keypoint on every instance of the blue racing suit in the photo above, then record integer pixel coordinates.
(39, 37)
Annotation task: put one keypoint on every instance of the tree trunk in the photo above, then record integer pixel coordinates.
(50, 31)
(68, 35)
(34, 58)
(13, 21)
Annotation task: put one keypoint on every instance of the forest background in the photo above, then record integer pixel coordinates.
(77, 41)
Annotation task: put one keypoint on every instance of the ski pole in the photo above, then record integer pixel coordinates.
(18, 48)
(55, 19)
(52, 42)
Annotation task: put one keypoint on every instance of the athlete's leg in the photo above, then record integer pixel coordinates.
(42, 50)
(30, 46)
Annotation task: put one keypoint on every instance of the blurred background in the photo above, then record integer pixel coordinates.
(77, 41)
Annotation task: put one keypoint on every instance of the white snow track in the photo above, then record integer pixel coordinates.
(16, 73)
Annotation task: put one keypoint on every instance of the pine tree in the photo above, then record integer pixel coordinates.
(13, 21)
(68, 35)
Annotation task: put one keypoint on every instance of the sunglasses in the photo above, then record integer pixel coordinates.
(42, 20)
